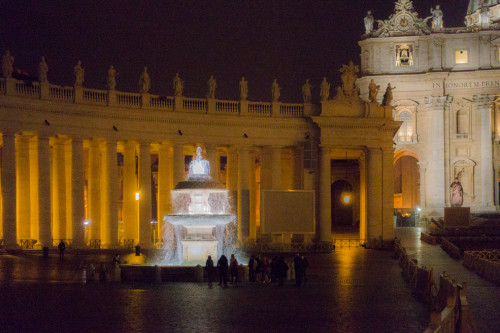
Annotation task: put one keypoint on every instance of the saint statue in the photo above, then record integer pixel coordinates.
(348, 77)
(212, 84)
(7, 64)
(112, 78)
(243, 89)
(457, 193)
(373, 88)
(178, 85)
(79, 74)
(388, 95)
(42, 71)
(275, 91)
(368, 20)
(437, 18)
(324, 90)
(306, 92)
(144, 82)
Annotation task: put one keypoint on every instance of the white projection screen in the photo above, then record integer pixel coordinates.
(287, 212)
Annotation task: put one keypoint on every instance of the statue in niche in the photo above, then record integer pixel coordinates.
(243, 89)
(79, 74)
(348, 77)
(178, 85)
(368, 20)
(212, 85)
(324, 90)
(275, 91)
(388, 95)
(43, 68)
(144, 82)
(437, 18)
(373, 91)
(7, 64)
(306, 91)
(112, 74)
(457, 193)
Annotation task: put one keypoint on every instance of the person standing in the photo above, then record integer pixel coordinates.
(233, 266)
(251, 271)
(223, 267)
(61, 248)
(209, 269)
(305, 264)
(297, 264)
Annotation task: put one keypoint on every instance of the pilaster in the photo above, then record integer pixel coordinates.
(374, 190)
(325, 196)
(243, 193)
(77, 193)
(23, 187)
(9, 191)
(130, 202)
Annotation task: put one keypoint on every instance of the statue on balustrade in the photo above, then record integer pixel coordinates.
(243, 89)
(79, 74)
(324, 90)
(212, 85)
(275, 91)
(43, 68)
(306, 92)
(373, 91)
(178, 85)
(144, 82)
(457, 193)
(112, 74)
(388, 95)
(368, 20)
(437, 18)
(7, 64)
(348, 77)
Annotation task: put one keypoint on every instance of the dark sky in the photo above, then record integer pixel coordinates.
(262, 40)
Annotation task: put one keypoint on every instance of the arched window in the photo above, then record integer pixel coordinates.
(462, 123)
(406, 130)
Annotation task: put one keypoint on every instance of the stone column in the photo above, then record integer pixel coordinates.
(211, 157)
(436, 167)
(59, 189)
(94, 190)
(483, 104)
(253, 197)
(362, 197)
(387, 193)
(145, 215)
(422, 166)
(109, 202)
(179, 164)
(9, 191)
(23, 187)
(33, 162)
(232, 169)
(165, 183)
(243, 193)
(77, 193)
(374, 193)
(44, 205)
(130, 204)
(276, 167)
(325, 195)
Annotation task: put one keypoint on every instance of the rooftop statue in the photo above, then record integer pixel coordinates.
(368, 20)
(42, 71)
(7, 64)
(437, 18)
(324, 90)
(212, 85)
(275, 91)
(306, 92)
(178, 85)
(79, 74)
(243, 89)
(112, 74)
(144, 82)
(348, 77)
(457, 193)
(373, 89)
(388, 95)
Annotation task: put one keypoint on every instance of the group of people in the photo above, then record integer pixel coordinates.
(223, 267)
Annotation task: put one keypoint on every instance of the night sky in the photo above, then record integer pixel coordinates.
(261, 40)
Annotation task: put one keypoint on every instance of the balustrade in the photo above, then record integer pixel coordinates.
(227, 107)
(61, 93)
(291, 110)
(259, 109)
(2, 86)
(28, 90)
(129, 99)
(162, 102)
(194, 104)
(95, 96)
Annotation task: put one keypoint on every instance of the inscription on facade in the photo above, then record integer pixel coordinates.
(466, 84)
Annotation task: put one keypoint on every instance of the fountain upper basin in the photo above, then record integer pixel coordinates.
(200, 219)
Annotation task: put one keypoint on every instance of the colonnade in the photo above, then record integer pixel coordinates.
(74, 188)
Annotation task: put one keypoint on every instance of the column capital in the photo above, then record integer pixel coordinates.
(483, 100)
(438, 102)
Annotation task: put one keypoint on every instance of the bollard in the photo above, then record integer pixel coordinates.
(157, 274)
(84, 275)
(137, 250)
(199, 276)
(45, 251)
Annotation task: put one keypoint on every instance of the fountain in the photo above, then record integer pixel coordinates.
(201, 211)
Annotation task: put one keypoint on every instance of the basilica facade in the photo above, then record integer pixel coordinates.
(445, 84)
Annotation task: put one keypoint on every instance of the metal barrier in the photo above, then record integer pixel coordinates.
(126, 243)
(27, 244)
(264, 247)
(348, 242)
(67, 242)
(94, 244)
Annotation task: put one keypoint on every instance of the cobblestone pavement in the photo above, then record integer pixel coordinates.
(350, 290)
(483, 296)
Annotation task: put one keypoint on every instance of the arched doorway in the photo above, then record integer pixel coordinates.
(406, 188)
(342, 207)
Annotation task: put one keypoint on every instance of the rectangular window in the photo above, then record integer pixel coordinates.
(461, 57)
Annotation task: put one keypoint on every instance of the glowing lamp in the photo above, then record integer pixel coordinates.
(86, 222)
(137, 195)
(347, 198)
